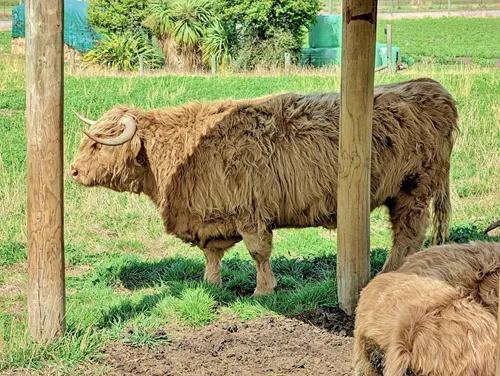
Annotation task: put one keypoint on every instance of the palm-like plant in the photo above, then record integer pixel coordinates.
(216, 42)
(160, 21)
(183, 27)
(192, 18)
(122, 51)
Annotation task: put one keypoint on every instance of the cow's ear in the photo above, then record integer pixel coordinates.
(135, 146)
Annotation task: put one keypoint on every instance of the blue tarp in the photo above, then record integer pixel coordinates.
(78, 32)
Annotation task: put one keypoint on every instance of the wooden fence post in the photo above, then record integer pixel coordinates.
(141, 64)
(359, 22)
(44, 120)
(213, 64)
(389, 49)
(288, 63)
(497, 373)
(72, 61)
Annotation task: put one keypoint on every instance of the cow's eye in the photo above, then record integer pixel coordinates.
(96, 146)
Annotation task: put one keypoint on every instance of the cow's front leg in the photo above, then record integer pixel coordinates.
(260, 246)
(213, 257)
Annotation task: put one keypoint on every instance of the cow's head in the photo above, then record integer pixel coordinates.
(111, 154)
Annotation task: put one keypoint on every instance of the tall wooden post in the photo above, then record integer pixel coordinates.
(141, 64)
(288, 62)
(353, 212)
(72, 61)
(44, 118)
(213, 63)
(497, 373)
(389, 49)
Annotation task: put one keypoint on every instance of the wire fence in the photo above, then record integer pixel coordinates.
(394, 6)
(6, 7)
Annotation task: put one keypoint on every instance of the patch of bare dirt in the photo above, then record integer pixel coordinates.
(267, 346)
(331, 319)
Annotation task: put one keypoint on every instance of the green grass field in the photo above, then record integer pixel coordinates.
(387, 6)
(445, 39)
(123, 271)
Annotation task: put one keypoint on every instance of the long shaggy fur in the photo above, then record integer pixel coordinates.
(232, 170)
(434, 316)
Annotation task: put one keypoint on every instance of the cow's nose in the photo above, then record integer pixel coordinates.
(74, 173)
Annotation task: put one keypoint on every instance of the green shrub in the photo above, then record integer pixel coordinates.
(216, 42)
(269, 53)
(257, 27)
(118, 16)
(122, 52)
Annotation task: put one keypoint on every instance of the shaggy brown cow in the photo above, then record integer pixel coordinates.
(434, 316)
(233, 170)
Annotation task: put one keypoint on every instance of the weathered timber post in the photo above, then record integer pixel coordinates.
(288, 62)
(213, 63)
(359, 22)
(141, 64)
(44, 120)
(497, 373)
(389, 49)
(72, 61)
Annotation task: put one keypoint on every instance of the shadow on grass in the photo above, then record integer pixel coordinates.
(306, 288)
(128, 309)
(302, 284)
(238, 276)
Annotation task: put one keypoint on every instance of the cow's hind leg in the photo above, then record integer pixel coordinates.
(409, 215)
(260, 246)
(368, 357)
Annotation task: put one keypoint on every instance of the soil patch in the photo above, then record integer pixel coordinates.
(267, 346)
(331, 319)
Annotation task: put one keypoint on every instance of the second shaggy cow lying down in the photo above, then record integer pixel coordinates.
(434, 316)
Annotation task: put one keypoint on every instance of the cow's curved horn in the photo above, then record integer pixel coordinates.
(491, 227)
(84, 119)
(129, 132)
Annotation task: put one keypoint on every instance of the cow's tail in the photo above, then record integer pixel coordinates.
(398, 355)
(442, 210)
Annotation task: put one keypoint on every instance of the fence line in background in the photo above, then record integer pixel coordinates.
(394, 6)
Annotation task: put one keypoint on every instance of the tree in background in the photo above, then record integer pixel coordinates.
(118, 16)
(125, 37)
(188, 31)
(249, 32)
(252, 25)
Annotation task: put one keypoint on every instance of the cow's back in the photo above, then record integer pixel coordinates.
(276, 162)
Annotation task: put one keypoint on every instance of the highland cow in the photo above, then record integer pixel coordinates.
(434, 316)
(229, 171)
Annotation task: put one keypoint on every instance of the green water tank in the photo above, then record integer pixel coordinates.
(381, 55)
(378, 58)
(326, 32)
